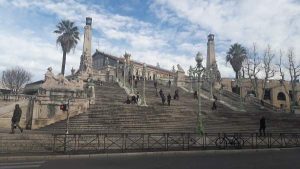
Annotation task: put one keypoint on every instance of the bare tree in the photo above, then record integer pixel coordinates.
(253, 67)
(15, 78)
(294, 72)
(268, 67)
(281, 72)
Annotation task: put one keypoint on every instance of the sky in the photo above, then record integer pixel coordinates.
(167, 32)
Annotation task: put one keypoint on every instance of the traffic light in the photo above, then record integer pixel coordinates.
(63, 107)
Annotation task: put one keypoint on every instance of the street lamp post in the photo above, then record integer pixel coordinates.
(199, 69)
(144, 86)
(191, 78)
(131, 73)
(117, 69)
(241, 90)
(124, 78)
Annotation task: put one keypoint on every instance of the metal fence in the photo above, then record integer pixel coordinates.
(135, 142)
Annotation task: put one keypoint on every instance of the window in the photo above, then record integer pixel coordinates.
(267, 95)
(281, 96)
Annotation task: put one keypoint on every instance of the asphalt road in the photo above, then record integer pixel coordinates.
(275, 159)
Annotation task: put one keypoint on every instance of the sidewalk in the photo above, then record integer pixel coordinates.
(55, 156)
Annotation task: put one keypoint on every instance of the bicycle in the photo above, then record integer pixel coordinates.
(236, 141)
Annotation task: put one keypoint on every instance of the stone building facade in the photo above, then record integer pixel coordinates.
(277, 93)
(115, 65)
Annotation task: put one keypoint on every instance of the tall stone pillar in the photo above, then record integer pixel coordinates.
(86, 63)
(211, 58)
(87, 43)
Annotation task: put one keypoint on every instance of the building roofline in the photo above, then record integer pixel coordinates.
(134, 61)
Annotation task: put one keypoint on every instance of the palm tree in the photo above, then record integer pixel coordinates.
(67, 39)
(236, 55)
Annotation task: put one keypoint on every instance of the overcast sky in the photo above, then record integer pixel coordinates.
(168, 32)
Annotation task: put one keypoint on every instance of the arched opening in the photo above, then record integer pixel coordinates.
(236, 90)
(251, 92)
(281, 96)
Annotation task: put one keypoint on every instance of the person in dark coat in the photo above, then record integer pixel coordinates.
(15, 120)
(215, 97)
(137, 96)
(169, 83)
(176, 95)
(160, 92)
(262, 126)
(195, 95)
(133, 99)
(214, 107)
(169, 99)
(127, 101)
(163, 99)
(135, 83)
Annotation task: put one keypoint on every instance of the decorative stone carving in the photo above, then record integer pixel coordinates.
(179, 68)
(60, 82)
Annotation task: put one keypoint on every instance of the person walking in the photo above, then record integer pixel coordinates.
(160, 92)
(262, 126)
(214, 107)
(155, 86)
(133, 99)
(137, 96)
(176, 95)
(163, 99)
(15, 120)
(127, 100)
(195, 95)
(169, 83)
(169, 99)
(135, 83)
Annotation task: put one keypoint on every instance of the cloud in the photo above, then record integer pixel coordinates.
(33, 54)
(174, 35)
(132, 35)
(264, 22)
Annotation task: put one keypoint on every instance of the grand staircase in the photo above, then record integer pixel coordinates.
(111, 115)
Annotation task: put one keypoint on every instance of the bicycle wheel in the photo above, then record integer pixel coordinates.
(238, 142)
(220, 143)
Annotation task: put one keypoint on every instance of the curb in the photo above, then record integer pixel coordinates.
(115, 155)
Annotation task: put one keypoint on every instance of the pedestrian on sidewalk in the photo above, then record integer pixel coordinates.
(169, 83)
(15, 120)
(169, 99)
(262, 126)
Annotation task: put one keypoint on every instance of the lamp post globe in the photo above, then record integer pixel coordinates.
(199, 58)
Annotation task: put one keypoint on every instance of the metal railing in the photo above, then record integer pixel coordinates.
(135, 142)
(143, 142)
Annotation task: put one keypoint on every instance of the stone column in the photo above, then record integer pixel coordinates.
(211, 58)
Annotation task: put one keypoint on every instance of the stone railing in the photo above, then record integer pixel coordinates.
(44, 109)
(14, 97)
(263, 104)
